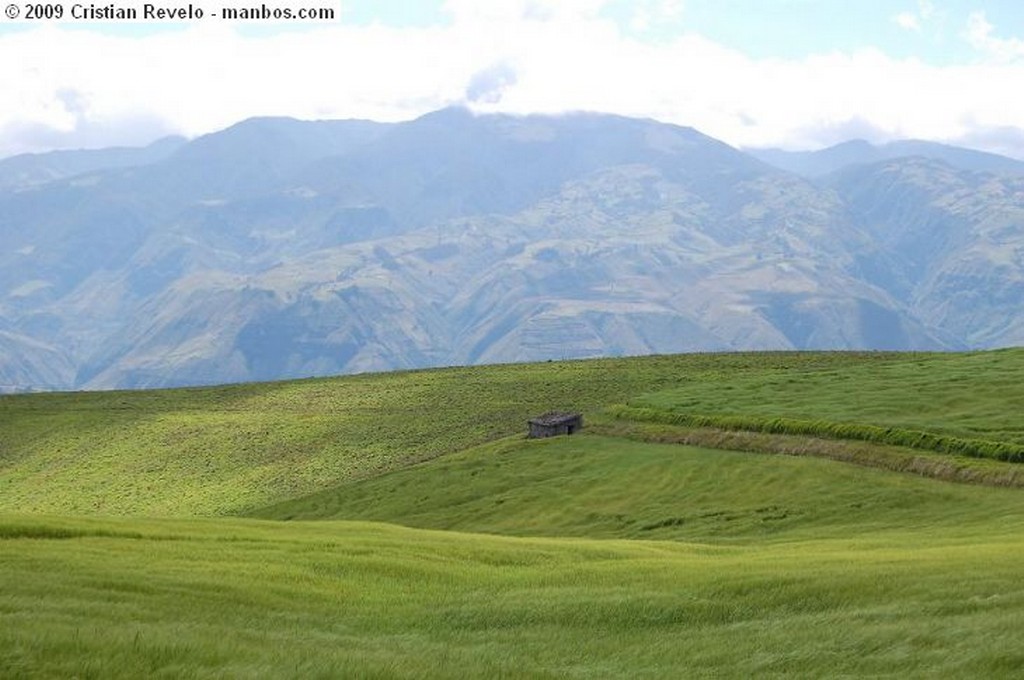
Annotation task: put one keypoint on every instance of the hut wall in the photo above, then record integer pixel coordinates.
(538, 430)
(567, 425)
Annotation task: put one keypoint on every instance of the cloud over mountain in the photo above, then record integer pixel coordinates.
(673, 62)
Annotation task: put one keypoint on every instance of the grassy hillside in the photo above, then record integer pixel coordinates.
(227, 450)
(603, 487)
(235, 449)
(979, 394)
(589, 556)
(974, 397)
(230, 598)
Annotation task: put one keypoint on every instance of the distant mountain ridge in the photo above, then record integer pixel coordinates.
(814, 164)
(25, 170)
(279, 248)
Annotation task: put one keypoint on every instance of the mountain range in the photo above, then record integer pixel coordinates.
(280, 248)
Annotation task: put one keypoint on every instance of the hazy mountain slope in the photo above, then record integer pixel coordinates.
(959, 237)
(620, 262)
(63, 231)
(256, 155)
(78, 256)
(25, 361)
(813, 164)
(278, 248)
(453, 163)
(25, 170)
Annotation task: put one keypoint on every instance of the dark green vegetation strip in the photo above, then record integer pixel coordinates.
(949, 468)
(961, 404)
(975, 448)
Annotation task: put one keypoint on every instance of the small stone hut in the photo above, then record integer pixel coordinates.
(555, 423)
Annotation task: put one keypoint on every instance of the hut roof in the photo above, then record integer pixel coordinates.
(553, 418)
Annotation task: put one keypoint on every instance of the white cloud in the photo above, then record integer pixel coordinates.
(73, 87)
(474, 11)
(650, 15)
(979, 34)
(908, 20)
(489, 85)
(915, 20)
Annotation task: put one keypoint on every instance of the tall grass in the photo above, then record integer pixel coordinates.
(950, 468)
(250, 599)
(605, 487)
(228, 450)
(587, 556)
(960, 404)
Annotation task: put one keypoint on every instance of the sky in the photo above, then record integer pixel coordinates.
(795, 74)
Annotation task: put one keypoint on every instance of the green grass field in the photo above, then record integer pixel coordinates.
(977, 395)
(229, 450)
(229, 598)
(603, 487)
(400, 525)
(963, 403)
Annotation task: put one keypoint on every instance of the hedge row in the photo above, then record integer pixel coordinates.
(897, 436)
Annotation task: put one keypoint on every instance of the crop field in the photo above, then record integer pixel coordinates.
(400, 525)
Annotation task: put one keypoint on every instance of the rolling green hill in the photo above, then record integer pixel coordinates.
(227, 450)
(428, 538)
(972, 396)
(230, 598)
(234, 449)
(604, 487)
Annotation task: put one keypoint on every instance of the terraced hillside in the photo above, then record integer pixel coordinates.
(404, 527)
